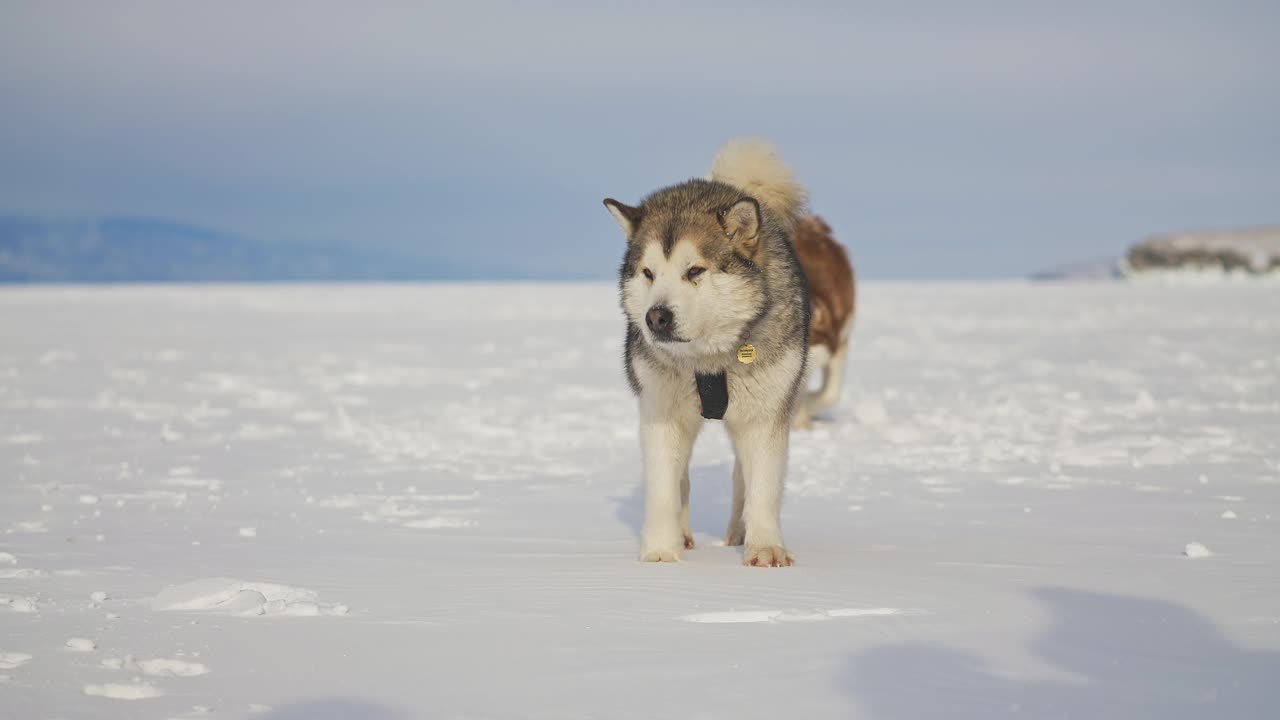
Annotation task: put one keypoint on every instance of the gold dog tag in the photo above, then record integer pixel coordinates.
(747, 354)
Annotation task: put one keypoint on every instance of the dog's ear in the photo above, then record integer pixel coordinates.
(628, 217)
(741, 222)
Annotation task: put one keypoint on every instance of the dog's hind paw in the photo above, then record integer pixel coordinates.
(767, 556)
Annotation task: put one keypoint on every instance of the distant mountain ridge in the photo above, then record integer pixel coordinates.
(1096, 270)
(35, 249)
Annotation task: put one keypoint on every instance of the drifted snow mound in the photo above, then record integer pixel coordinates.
(119, 691)
(12, 660)
(761, 616)
(243, 599)
(1253, 251)
(170, 667)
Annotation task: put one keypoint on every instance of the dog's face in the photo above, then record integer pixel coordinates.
(689, 279)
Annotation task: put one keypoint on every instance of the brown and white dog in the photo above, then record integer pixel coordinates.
(832, 299)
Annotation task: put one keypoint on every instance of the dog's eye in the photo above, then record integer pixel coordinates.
(694, 272)
(648, 274)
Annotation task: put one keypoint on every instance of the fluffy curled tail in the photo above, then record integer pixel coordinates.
(754, 166)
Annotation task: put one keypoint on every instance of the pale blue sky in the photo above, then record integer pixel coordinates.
(940, 139)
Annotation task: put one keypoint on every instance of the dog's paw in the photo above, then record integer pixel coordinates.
(652, 555)
(661, 547)
(767, 556)
(688, 541)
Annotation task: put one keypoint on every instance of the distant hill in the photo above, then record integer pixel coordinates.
(1082, 272)
(132, 249)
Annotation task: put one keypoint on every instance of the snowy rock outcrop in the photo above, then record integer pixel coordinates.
(1252, 251)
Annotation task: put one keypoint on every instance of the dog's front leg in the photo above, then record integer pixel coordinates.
(762, 456)
(685, 528)
(667, 443)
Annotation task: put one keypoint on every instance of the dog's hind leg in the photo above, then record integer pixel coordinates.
(832, 382)
(803, 417)
(684, 512)
(736, 534)
(819, 358)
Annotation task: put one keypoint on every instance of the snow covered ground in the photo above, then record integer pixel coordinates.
(422, 502)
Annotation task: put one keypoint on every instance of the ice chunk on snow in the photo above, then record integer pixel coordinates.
(246, 603)
(81, 644)
(1196, 550)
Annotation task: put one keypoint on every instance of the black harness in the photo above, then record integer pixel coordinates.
(713, 390)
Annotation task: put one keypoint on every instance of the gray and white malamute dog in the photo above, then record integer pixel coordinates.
(717, 327)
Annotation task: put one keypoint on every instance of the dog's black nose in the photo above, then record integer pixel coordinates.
(660, 320)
